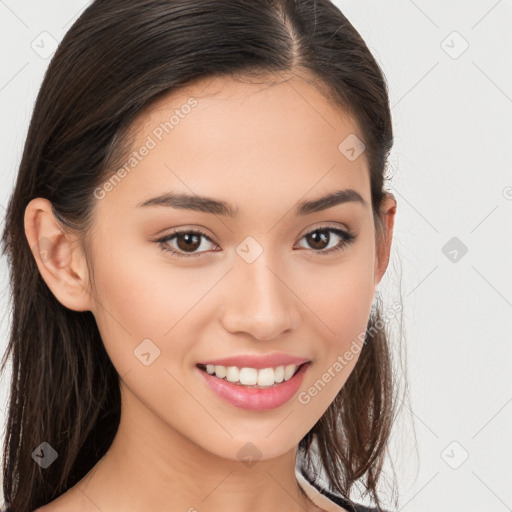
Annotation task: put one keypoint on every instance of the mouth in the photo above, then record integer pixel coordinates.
(264, 389)
(252, 377)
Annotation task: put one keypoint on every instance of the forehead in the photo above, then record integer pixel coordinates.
(272, 101)
(277, 137)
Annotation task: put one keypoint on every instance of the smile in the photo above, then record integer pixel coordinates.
(263, 377)
(280, 384)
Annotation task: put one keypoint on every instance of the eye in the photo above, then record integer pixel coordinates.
(187, 240)
(322, 235)
(190, 241)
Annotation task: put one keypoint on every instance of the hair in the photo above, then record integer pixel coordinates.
(116, 60)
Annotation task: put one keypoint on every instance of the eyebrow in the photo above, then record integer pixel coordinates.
(217, 207)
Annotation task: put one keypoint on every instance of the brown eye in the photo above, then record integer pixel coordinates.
(320, 238)
(186, 242)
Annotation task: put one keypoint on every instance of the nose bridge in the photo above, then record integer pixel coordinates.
(261, 304)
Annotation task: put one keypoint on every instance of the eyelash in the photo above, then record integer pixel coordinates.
(346, 239)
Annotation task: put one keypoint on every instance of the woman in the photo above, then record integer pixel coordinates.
(196, 237)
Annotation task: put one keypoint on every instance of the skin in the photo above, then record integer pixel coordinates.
(177, 443)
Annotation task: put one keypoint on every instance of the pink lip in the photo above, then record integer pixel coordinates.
(258, 361)
(254, 398)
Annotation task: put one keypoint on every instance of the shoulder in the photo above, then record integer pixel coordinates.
(70, 501)
(348, 505)
(7, 508)
(328, 501)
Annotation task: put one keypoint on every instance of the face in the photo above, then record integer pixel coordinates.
(259, 278)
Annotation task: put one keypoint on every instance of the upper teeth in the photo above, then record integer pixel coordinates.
(252, 376)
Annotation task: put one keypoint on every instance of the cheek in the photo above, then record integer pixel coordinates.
(130, 308)
(342, 300)
(340, 295)
(140, 297)
(143, 315)
(347, 303)
(348, 315)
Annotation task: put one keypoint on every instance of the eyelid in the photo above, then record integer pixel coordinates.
(344, 233)
(179, 231)
(327, 225)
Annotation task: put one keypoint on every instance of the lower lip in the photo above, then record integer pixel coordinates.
(255, 399)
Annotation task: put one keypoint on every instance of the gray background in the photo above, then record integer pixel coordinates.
(452, 112)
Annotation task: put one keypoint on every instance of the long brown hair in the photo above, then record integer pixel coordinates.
(117, 58)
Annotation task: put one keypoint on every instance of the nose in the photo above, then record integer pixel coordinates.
(260, 302)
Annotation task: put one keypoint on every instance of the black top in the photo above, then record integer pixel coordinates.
(339, 500)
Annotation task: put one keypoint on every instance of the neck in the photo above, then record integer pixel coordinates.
(151, 466)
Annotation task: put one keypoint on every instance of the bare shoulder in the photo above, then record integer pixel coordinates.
(312, 507)
(70, 501)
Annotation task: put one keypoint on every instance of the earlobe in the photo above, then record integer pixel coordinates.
(59, 260)
(388, 211)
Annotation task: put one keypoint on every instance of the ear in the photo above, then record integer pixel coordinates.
(387, 215)
(58, 255)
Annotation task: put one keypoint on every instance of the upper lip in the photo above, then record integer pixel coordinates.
(258, 361)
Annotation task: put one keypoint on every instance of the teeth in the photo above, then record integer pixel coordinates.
(289, 371)
(220, 371)
(232, 374)
(251, 376)
(248, 376)
(266, 377)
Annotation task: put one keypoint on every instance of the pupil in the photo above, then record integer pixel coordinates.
(322, 235)
(188, 238)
